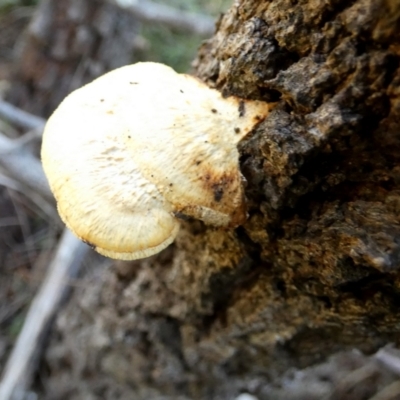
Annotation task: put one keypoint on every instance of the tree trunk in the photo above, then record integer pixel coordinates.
(68, 44)
(314, 270)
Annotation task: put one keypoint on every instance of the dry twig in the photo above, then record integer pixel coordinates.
(20, 163)
(28, 174)
(42, 205)
(390, 358)
(23, 166)
(157, 13)
(19, 117)
(21, 363)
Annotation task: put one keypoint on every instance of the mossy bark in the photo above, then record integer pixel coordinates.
(314, 270)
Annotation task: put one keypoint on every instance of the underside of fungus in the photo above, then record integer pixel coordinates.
(128, 152)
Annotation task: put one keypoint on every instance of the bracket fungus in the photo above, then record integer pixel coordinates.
(128, 153)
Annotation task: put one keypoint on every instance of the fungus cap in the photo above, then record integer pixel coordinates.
(128, 152)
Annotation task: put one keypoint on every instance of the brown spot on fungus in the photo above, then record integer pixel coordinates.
(218, 193)
(181, 216)
(91, 245)
(241, 109)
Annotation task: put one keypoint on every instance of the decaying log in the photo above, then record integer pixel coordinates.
(314, 270)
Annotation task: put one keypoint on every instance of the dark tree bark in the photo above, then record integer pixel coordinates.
(314, 270)
(69, 43)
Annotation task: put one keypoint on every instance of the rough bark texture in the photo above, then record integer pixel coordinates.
(68, 44)
(314, 270)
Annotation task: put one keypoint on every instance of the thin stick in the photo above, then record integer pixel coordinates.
(27, 170)
(19, 117)
(24, 356)
(388, 357)
(157, 13)
(390, 392)
(44, 208)
(23, 166)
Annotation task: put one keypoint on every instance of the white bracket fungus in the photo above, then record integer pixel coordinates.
(128, 152)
